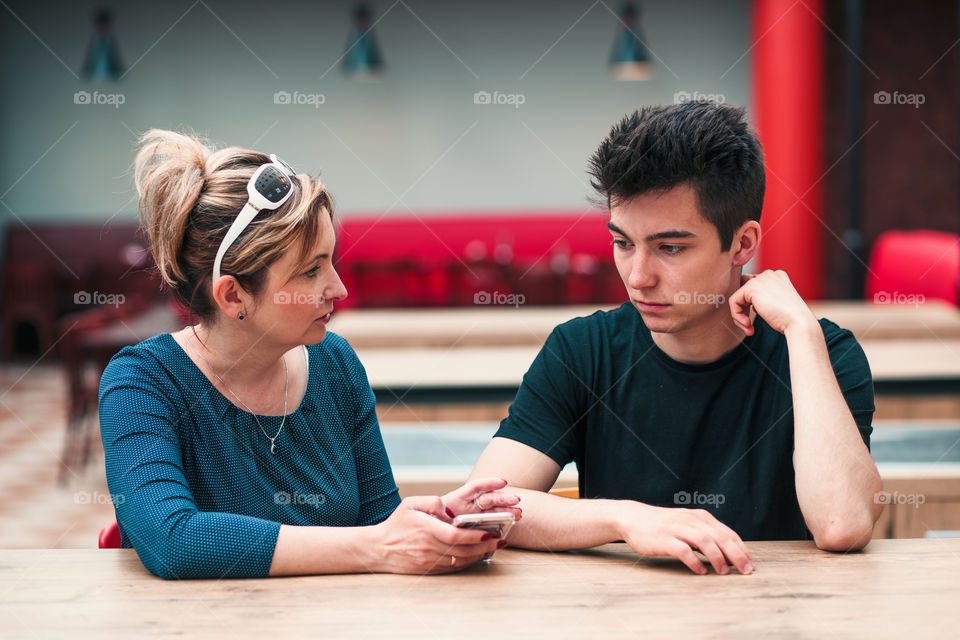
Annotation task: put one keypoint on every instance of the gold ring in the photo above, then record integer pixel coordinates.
(453, 561)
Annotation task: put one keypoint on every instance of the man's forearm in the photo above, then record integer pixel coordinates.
(836, 479)
(552, 523)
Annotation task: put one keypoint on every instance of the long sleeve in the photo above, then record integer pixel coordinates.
(378, 490)
(154, 504)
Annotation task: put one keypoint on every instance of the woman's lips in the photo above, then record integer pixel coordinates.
(324, 319)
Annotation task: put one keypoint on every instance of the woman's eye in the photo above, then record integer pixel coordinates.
(619, 244)
(312, 273)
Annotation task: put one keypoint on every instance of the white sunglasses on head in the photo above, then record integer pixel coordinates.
(269, 187)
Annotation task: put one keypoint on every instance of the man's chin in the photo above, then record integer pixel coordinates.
(661, 321)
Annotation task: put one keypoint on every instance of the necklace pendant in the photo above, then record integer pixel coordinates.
(273, 448)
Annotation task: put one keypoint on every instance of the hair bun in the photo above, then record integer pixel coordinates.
(169, 174)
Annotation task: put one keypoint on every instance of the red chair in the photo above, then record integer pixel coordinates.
(905, 265)
(109, 536)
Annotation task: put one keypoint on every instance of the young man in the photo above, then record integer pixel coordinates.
(682, 397)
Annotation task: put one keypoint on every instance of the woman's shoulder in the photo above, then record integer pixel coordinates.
(154, 359)
(334, 347)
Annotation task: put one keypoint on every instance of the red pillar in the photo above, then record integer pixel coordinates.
(788, 109)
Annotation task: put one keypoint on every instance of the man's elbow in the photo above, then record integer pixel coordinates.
(849, 534)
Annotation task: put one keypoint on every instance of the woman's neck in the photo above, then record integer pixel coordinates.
(240, 361)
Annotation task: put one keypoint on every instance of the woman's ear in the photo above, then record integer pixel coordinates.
(746, 243)
(229, 296)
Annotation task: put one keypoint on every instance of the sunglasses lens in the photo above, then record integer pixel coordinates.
(272, 184)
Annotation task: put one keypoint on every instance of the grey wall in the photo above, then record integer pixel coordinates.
(413, 140)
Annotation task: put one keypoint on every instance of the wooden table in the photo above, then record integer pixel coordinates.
(504, 325)
(895, 589)
(494, 373)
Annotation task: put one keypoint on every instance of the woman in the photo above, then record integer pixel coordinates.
(247, 444)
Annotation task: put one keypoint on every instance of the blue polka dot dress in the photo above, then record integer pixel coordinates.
(196, 490)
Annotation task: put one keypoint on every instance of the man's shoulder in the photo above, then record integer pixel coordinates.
(598, 323)
(833, 332)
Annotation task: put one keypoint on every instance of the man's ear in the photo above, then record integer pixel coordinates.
(746, 243)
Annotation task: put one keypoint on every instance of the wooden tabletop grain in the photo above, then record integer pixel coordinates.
(893, 589)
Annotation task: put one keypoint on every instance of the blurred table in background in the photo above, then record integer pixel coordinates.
(467, 363)
(914, 372)
(507, 325)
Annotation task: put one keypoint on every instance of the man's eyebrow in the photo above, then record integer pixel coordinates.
(615, 228)
(670, 233)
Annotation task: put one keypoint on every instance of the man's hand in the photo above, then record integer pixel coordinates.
(775, 300)
(659, 531)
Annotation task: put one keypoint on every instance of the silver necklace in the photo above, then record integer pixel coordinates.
(273, 444)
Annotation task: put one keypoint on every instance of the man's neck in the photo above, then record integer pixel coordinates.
(703, 343)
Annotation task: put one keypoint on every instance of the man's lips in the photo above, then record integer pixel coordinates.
(650, 306)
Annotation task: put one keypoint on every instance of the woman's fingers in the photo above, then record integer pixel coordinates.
(431, 505)
(482, 485)
(500, 501)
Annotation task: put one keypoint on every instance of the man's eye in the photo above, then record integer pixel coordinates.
(620, 244)
(672, 249)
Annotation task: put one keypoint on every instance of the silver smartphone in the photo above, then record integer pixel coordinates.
(496, 523)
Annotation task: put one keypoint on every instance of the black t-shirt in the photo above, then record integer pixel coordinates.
(642, 426)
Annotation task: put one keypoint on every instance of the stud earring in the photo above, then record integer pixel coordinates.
(240, 316)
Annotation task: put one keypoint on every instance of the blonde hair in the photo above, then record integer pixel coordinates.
(190, 195)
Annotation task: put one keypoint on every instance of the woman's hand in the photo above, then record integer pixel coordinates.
(418, 539)
(482, 494)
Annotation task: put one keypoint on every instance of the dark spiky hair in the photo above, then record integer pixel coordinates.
(707, 145)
